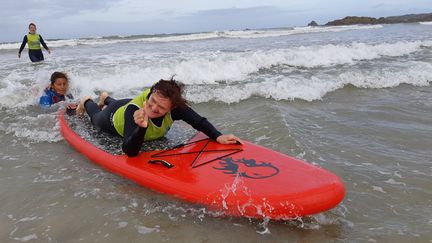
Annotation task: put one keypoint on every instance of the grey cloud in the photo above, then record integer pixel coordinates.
(241, 18)
(16, 15)
(48, 8)
(380, 5)
(258, 10)
(236, 11)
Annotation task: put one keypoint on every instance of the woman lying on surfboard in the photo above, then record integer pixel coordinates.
(147, 116)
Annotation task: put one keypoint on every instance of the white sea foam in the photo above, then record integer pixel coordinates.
(289, 31)
(41, 128)
(393, 182)
(378, 188)
(10, 46)
(212, 68)
(197, 36)
(232, 77)
(146, 230)
(26, 238)
(122, 224)
(426, 23)
(312, 88)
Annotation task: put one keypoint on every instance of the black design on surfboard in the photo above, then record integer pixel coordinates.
(248, 168)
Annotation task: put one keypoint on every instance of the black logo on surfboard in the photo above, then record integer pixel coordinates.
(248, 168)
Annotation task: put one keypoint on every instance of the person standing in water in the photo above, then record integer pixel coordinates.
(34, 41)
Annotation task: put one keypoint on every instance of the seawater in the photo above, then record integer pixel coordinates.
(355, 100)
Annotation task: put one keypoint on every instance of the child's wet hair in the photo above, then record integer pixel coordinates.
(56, 75)
(171, 89)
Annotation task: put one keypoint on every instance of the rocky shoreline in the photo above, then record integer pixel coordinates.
(351, 20)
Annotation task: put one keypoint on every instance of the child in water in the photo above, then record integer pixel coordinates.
(57, 91)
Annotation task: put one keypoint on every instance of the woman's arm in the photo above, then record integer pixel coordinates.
(24, 42)
(44, 44)
(196, 121)
(133, 134)
(203, 125)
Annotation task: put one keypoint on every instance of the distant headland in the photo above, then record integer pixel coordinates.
(350, 20)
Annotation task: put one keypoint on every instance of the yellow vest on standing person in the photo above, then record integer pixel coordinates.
(33, 41)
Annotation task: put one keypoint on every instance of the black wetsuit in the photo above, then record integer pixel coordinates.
(133, 134)
(35, 55)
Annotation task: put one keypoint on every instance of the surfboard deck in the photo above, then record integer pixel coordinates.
(245, 180)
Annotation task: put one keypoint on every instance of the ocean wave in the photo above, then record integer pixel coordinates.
(215, 67)
(426, 23)
(21, 89)
(250, 34)
(312, 88)
(34, 128)
(41, 126)
(194, 36)
(234, 66)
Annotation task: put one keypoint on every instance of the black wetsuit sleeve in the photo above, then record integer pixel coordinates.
(43, 43)
(133, 134)
(196, 121)
(24, 42)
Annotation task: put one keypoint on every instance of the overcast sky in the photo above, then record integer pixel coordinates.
(90, 18)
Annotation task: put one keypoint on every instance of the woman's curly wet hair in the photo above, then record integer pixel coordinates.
(171, 89)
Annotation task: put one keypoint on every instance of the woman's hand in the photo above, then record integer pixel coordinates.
(141, 118)
(228, 139)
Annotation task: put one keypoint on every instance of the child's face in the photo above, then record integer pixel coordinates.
(60, 86)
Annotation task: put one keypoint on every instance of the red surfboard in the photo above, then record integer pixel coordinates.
(245, 180)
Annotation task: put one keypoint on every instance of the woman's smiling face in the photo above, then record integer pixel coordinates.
(157, 105)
